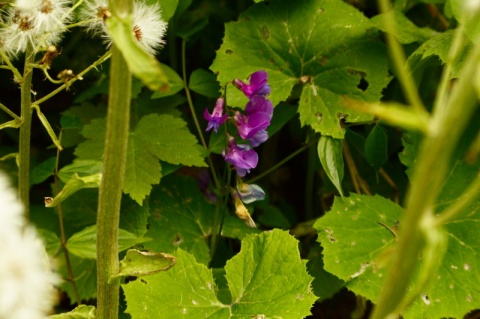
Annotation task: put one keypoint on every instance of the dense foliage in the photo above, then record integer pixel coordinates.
(276, 159)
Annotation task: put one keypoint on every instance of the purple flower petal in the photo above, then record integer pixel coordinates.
(248, 126)
(257, 104)
(258, 84)
(258, 138)
(241, 156)
(216, 118)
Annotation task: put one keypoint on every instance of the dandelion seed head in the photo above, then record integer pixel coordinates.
(26, 280)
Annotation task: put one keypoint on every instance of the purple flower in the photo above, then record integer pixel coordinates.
(258, 84)
(241, 156)
(216, 119)
(258, 104)
(249, 126)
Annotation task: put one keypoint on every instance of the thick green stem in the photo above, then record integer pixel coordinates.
(25, 132)
(114, 162)
(433, 161)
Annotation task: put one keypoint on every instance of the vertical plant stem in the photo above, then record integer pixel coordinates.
(25, 133)
(114, 162)
(436, 150)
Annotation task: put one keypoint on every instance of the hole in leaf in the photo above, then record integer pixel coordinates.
(228, 51)
(321, 10)
(363, 85)
(143, 281)
(177, 240)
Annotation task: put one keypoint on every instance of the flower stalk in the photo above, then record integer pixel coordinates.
(114, 163)
(25, 133)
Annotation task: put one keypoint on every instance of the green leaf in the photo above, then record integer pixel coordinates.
(324, 284)
(326, 46)
(50, 240)
(204, 83)
(267, 279)
(331, 156)
(80, 312)
(440, 46)
(376, 147)
(176, 83)
(156, 137)
(181, 218)
(81, 168)
(85, 275)
(133, 217)
(357, 237)
(84, 243)
(405, 30)
(142, 263)
(468, 17)
(282, 114)
(140, 63)
(75, 184)
(43, 171)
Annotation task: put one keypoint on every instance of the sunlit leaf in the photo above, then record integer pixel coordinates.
(330, 153)
(327, 46)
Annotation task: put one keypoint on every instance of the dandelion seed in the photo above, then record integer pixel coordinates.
(148, 28)
(26, 281)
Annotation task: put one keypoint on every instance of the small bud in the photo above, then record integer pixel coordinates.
(241, 211)
(50, 55)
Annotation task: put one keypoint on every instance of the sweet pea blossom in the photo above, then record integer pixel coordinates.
(258, 84)
(216, 118)
(249, 193)
(253, 124)
(241, 211)
(241, 156)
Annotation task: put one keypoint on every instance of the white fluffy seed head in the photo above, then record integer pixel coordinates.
(38, 23)
(148, 28)
(26, 280)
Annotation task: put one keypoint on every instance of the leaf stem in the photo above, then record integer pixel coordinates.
(48, 127)
(100, 60)
(286, 159)
(63, 239)
(114, 163)
(452, 211)
(399, 60)
(18, 77)
(194, 115)
(7, 110)
(25, 132)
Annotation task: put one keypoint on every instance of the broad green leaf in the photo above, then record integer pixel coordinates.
(80, 312)
(84, 243)
(267, 279)
(85, 275)
(133, 217)
(185, 291)
(142, 263)
(181, 218)
(43, 171)
(234, 227)
(324, 284)
(376, 147)
(140, 63)
(73, 185)
(357, 237)
(204, 83)
(405, 30)
(281, 115)
(440, 46)
(155, 137)
(176, 83)
(330, 153)
(327, 46)
(80, 209)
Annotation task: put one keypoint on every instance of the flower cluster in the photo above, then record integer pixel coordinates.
(35, 23)
(147, 24)
(251, 125)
